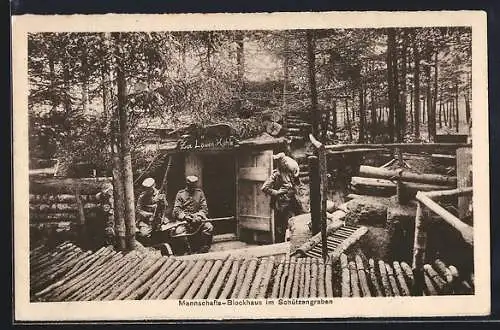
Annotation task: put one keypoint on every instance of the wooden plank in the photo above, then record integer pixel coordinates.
(253, 173)
(224, 238)
(252, 203)
(254, 251)
(255, 223)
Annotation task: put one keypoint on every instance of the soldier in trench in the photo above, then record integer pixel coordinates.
(282, 187)
(191, 209)
(150, 208)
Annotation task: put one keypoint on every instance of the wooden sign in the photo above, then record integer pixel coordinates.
(215, 137)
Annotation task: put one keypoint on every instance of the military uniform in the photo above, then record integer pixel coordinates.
(150, 206)
(191, 206)
(282, 187)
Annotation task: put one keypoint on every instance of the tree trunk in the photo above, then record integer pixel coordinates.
(362, 112)
(52, 75)
(457, 118)
(424, 109)
(334, 118)
(391, 46)
(451, 113)
(397, 101)
(445, 111)
(416, 91)
(240, 59)
(118, 189)
(467, 108)
(114, 140)
(325, 118)
(285, 70)
(67, 87)
(373, 113)
(209, 49)
(431, 117)
(404, 55)
(411, 110)
(349, 129)
(311, 61)
(85, 81)
(440, 116)
(435, 96)
(126, 158)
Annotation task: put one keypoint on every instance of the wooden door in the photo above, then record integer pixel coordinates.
(253, 208)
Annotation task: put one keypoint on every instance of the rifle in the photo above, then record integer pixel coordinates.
(158, 220)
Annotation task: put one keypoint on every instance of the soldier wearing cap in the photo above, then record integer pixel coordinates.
(147, 204)
(282, 187)
(191, 206)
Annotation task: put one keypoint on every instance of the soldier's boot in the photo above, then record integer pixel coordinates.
(205, 238)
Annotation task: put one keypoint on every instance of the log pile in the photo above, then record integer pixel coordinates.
(362, 277)
(67, 273)
(53, 200)
(379, 181)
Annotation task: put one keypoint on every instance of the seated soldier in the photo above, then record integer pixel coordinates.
(191, 207)
(150, 207)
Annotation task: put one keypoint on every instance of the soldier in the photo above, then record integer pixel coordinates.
(191, 207)
(282, 187)
(150, 207)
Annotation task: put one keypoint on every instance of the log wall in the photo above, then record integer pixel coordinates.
(53, 205)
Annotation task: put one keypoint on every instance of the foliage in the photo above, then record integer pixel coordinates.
(178, 78)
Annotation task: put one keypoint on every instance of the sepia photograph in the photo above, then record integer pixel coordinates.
(254, 167)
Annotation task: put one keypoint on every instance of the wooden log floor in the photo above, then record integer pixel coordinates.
(68, 273)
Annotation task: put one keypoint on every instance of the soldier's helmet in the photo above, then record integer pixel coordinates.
(148, 182)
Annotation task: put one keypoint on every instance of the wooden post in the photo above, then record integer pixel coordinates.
(322, 185)
(323, 175)
(464, 179)
(81, 217)
(314, 187)
(419, 245)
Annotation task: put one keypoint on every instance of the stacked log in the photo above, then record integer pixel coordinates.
(86, 186)
(378, 278)
(53, 200)
(379, 181)
(68, 273)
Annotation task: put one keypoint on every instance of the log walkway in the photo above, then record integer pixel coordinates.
(67, 273)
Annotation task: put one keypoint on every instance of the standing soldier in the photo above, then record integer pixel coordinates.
(191, 207)
(150, 207)
(282, 187)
